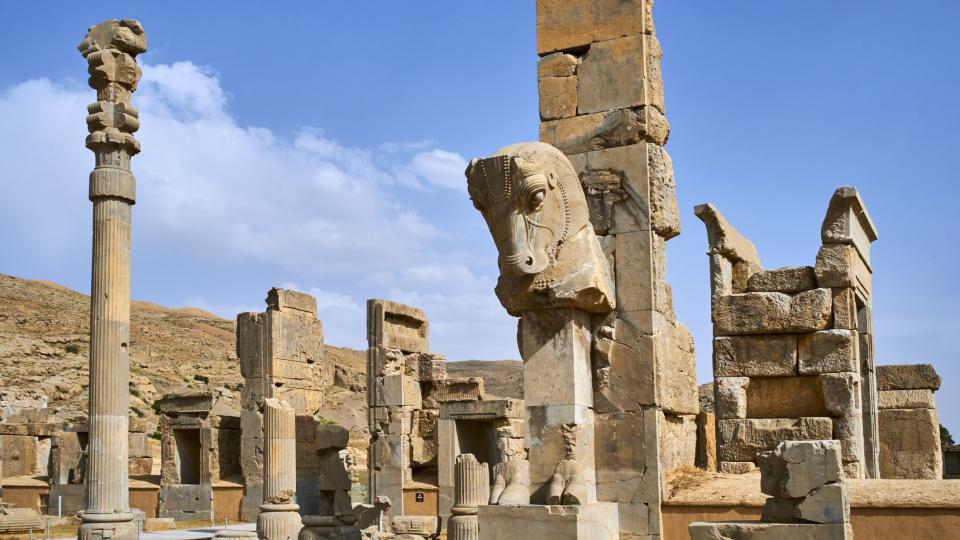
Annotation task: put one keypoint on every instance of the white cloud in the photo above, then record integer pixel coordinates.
(348, 220)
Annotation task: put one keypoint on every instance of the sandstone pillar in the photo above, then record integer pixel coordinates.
(110, 49)
(472, 489)
(279, 518)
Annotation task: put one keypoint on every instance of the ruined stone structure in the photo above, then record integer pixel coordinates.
(472, 489)
(601, 104)
(792, 347)
(279, 518)
(406, 387)
(909, 427)
(281, 356)
(493, 432)
(808, 498)
(110, 49)
(199, 442)
(321, 444)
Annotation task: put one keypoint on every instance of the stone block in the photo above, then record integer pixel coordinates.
(731, 397)
(907, 377)
(620, 73)
(827, 504)
(676, 370)
(841, 392)
(840, 265)
(137, 444)
(482, 410)
(847, 222)
(741, 439)
(633, 258)
(574, 24)
(596, 521)
(728, 243)
(755, 356)
(785, 397)
(139, 465)
(555, 346)
(460, 389)
(707, 441)
(906, 399)
(401, 391)
(845, 308)
(426, 526)
(607, 129)
(828, 351)
(910, 444)
(627, 471)
(678, 442)
(557, 65)
(772, 313)
(790, 280)
(18, 454)
(796, 468)
(736, 467)
(558, 97)
(754, 530)
(284, 299)
(390, 452)
(626, 383)
(397, 326)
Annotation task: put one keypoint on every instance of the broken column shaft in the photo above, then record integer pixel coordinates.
(110, 49)
(279, 517)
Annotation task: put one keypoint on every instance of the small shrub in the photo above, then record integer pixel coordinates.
(155, 435)
(72, 349)
(202, 378)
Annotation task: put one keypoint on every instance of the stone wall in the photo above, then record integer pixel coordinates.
(909, 427)
(601, 103)
(406, 386)
(281, 356)
(792, 347)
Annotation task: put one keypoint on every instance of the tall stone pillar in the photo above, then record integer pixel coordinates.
(110, 48)
(602, 104)
(279, 517)
(471, 489)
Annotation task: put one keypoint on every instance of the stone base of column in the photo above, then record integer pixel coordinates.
(595, 521)
(236, 534)
(463, 526)
(748, 530)
(329, 528)
(279, 522)
(115, 526)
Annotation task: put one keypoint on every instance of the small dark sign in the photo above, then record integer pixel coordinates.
(419, 497)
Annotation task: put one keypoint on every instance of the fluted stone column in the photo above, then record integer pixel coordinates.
(110, 49)
(471, 484)
(279, 517)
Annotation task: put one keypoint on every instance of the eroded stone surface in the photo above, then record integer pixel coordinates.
(769, 313)
(755, 356)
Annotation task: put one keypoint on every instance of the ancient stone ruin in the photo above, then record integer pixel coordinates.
(909, 427)
(808, 498)
(803, 332)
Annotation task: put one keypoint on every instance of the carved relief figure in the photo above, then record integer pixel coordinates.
(534, 206)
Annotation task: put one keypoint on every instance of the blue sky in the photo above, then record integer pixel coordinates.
(321, 146)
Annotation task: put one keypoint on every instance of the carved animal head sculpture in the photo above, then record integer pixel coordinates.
(536, 211)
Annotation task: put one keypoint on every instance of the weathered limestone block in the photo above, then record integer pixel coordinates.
(390, 452)
(772, 313)
(598, 521)
(707, 441)
(678, 442)
(620, 73)
(627, 471)
(400, 391)
(906, 399)
(557, 433)
(839, 265)
(796, 468)
(731, 397)
(741, 439)
(910, 444)
(558, 97)
(790, 280)
(845, 308)
(907, 377)
(752, 530)
(535, 272)
(755, 356)
(841, 392)
(397, 326)
(573, 24)
(557, 65)
(415, 526)
(284, 299)
(848, 429)
(847, 222)
(460, 389)
(741, 259)
(607, 129)
(555, 346)
(826, 504)
(676, 370)
(785, 397)
(736, 467)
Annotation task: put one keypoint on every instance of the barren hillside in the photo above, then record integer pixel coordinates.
(44, 341)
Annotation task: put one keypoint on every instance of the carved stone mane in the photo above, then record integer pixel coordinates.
(535, 208)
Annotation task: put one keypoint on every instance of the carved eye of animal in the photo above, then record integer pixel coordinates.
(536, 199)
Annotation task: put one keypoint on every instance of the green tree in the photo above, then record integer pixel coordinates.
(945, 436)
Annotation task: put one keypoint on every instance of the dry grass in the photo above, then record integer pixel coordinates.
(685, 478)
